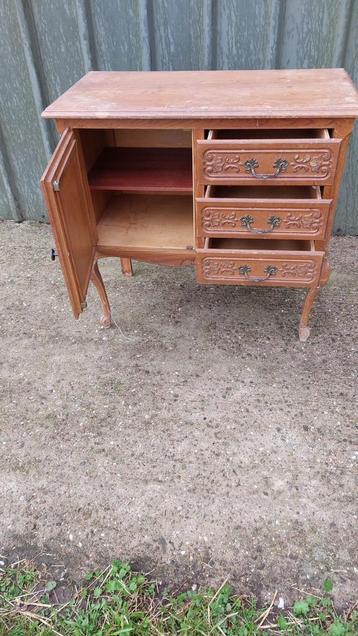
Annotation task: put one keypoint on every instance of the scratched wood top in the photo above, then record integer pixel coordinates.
(204, 94)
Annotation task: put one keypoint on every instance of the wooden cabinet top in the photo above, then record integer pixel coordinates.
(208, 94)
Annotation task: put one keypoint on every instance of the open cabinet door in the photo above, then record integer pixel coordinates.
(68, 200)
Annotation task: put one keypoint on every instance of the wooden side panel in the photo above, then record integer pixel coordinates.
(92, 143)
(342, 130)
(198, 134)
(67, 196)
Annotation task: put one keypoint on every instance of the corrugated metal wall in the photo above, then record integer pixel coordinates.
(46, 45)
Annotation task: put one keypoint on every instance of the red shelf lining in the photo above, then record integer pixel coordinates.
(143, 169)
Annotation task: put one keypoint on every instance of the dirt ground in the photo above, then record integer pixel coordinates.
(199, 439)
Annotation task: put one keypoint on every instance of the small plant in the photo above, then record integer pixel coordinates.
(120, 602)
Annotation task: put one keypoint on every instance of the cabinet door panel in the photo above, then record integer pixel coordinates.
(68, 201)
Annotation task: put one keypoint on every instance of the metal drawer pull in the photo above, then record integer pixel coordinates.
(280, 165)
(247, 221)
(270, 270)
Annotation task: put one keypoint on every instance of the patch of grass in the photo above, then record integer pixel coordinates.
(120, 602)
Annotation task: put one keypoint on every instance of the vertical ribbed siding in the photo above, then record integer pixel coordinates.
(47, 45)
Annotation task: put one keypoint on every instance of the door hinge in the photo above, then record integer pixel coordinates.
(83, 305)
(56, 186)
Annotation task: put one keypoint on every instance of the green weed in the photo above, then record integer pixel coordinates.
(120, 602)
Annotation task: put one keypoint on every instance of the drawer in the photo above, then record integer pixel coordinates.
(265, 211)
(271, 159)
(281, 263)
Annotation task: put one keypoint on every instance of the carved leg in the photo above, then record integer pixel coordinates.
(126, 265)
(304, 330)
(325, 273)
(97, 280)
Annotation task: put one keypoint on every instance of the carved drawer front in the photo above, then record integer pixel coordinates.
(282, 268)
(267, 161)
(256, 218)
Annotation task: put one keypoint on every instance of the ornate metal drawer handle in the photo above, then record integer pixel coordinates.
(247, 221)
(270, 270)
(280, 165)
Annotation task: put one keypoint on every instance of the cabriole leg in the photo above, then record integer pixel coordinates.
(304, 330)
(97, 280)
(325, 272)
(126, 265)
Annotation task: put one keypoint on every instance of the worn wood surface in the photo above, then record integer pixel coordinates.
(70, 208)
(202, 94)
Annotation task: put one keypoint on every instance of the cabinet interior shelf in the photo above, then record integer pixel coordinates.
(143, 170)
(141, 222)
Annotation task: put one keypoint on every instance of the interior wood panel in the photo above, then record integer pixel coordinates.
(258, 244)
(154, 138)
(147, 222)
(143, 169)
(263, 192)
(92, 143)
(262, 133)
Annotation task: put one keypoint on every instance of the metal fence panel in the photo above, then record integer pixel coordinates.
(46, 45)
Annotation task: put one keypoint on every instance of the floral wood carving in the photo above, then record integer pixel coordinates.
(304, 271)
(230, 163)
(219, 218)
(319, 163)
(222, 163)
(226, 219)
(311, 221)
(221, 268)
(226, 268)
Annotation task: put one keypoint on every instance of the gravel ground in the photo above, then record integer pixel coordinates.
(198, 439)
